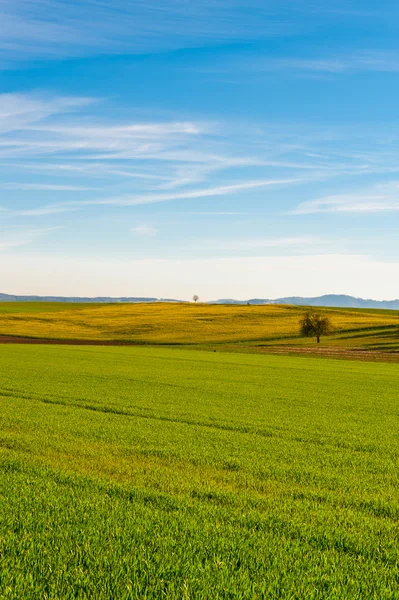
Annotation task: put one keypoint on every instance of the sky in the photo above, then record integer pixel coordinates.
(225, 148)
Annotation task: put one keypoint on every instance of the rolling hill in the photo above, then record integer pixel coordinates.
(195, 324)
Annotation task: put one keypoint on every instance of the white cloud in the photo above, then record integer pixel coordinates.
(139, 131)
(19, 111)
(304, 243)
(129, 200)
(350, 63)
(221, 190)
(380, 198)
(62, 136)
(175, 154)
(226, 213)
(160, 161)
(96, 170)
(56, 28)
(40, 211)
(144, 230)
(45, 187)
(34, 125)
(138, 200)
(21, 236)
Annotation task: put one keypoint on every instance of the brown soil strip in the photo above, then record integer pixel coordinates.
(334, 352)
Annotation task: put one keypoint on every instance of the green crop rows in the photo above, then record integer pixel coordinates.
(147, 473)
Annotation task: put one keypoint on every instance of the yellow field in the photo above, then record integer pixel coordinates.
(173, 323)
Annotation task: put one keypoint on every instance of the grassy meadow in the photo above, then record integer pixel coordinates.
(173, 323)
(149, 473)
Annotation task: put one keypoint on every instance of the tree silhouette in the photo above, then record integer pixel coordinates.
(315, 325)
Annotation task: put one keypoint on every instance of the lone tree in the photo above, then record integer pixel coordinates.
(195, 298)
(315, 325)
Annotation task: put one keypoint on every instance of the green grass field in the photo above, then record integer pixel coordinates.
(38, 307)
(150, 473)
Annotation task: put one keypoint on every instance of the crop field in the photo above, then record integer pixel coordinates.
(171, 323)
(149, 473)
(38, 307)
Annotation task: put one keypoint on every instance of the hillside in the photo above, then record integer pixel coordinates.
(336, 300)
(78, 299)
(167, 323)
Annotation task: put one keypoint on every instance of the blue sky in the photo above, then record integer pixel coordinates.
(224, 148)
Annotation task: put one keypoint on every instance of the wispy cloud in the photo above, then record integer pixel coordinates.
(132, 200)
(50, 187)
(62, 145)
(342, 62)
(98, 169)
(42, 130)
(223, 213)
(151, 162)
(385, 62)
(144, 230)
(133, 131)
(38, 211)
(222, 190)
(380, 198)
(55, 28)
(21, 236)
(20, 111)
(40, 134)
(304, 242)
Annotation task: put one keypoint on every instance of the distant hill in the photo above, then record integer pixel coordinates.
(77, 299)
(331, 300)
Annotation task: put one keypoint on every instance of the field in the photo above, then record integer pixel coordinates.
(149, 473)
(164, 323)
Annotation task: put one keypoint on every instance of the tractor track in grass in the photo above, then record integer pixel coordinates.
(11, 339)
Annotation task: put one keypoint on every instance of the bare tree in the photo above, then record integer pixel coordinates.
(315, 325)
(195, 298)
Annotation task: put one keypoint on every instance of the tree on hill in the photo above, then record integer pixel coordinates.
(313, 324)
(195, 298)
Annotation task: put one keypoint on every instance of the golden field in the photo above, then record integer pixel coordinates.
(184, 323)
